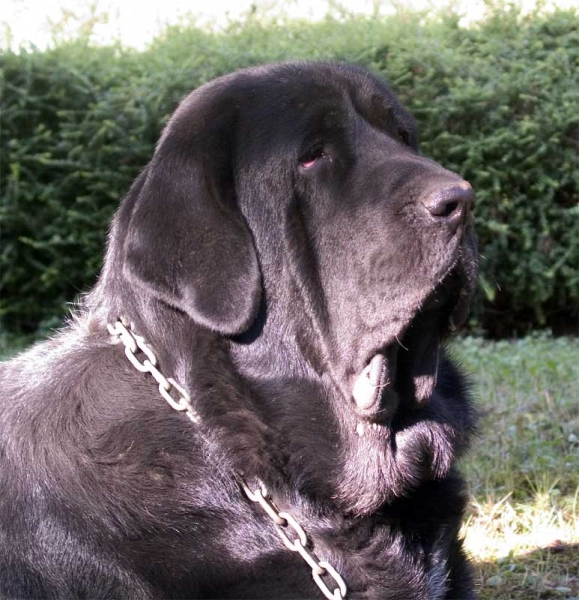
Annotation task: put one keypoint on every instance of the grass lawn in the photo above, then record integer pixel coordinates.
(523, 524)
(522, 529)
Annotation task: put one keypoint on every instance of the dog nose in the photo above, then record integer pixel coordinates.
(450, 204)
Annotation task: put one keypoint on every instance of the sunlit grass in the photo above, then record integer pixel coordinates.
(522, 528)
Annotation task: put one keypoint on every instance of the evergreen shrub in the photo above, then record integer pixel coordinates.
(497, 102)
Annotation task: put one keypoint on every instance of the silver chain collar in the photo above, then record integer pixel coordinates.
(284, 523)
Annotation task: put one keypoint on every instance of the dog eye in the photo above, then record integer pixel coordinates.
(404, 136)
(309, 159)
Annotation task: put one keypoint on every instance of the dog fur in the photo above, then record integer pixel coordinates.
(277, 241)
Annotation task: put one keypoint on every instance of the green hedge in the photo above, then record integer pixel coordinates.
(498, 103)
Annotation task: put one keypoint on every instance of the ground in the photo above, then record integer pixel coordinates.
(523, 524)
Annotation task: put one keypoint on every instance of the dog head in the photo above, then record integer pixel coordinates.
(307, 176)
(287, 207)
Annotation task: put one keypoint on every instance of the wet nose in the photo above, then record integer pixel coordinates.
(450, 204)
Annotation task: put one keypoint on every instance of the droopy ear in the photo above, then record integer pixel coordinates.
(187, 242)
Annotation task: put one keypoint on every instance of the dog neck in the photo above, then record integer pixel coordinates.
(256, 425)
(269, 409)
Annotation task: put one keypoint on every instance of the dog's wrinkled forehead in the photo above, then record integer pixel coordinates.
(280, 107)
(300, 102)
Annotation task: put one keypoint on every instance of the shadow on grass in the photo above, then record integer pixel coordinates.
(545, 573)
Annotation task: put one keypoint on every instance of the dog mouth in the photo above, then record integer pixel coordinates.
(404, 372)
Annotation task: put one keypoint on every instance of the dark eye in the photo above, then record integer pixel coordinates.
(311, 157)
(404, 136)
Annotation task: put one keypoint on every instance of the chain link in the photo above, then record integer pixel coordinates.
(133, 344)
(287, 526)
(284, 523)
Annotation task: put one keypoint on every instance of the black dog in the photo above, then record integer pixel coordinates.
(295, 265)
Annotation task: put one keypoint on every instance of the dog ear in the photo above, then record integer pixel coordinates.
(187, 241)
